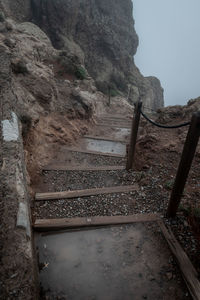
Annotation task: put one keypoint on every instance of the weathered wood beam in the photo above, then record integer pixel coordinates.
(133, 138)
(104, 138)
(190, 275)
(86, 192)
(109, 125)
(63, 167)
(56, 224)
(188, 153)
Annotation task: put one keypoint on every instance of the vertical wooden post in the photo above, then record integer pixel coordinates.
(109, 88)
(129, 90)
(134, 132)
(184, 165)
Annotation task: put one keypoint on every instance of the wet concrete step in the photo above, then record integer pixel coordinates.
(115, 118)
(94, 152)
(113, 262)
(111, 125)
(115, 134)
(103, 146)
(104, 138)
(100, 147)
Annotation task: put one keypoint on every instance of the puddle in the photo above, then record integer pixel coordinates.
(105, 263)
(105, 146)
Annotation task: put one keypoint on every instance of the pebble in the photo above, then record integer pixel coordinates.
(14, 275)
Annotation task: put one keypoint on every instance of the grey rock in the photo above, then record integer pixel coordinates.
(2, 28)
(9, 25)
(23, 219)
(90, 31)
(9, 42)
(2, 16)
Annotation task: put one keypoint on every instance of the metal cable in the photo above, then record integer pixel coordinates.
(163, 126)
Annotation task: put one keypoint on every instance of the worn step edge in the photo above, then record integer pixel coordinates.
(86, 192)
(95, 152)
(104, 138)
(114, 125)
(56, 224)
(190, 275)
(111, 117)
(57, 167)
(114, 122)
(123, 120)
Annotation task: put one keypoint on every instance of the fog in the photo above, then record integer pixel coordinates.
(169, 45)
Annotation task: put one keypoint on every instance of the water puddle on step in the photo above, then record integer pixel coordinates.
(119, 262)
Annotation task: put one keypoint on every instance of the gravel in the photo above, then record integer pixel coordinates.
(155, 183)
(72, 180)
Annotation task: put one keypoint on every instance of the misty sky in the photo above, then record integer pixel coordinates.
(169, 45)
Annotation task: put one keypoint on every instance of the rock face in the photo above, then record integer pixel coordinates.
(44, 87)
(101, 34)
(20, 10)
(94, 27)
(155, 99)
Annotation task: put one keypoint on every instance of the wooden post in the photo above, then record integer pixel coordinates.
(109, 90)
(134, 132)
(129, 89)
(184, 165)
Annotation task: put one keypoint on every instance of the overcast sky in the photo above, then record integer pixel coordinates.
(169, 45)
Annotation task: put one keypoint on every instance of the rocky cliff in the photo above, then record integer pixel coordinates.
(101, 35)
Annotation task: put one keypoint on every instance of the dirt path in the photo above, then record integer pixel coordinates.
(154, 183)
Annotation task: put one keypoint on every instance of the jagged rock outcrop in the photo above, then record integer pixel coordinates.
(19, 10)
(156, 98)
(37, 72)
(179, 113)
(45, 90)
(101, 34)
